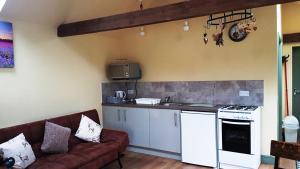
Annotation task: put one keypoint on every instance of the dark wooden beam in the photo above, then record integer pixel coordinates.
(291, 38)
(177, 11)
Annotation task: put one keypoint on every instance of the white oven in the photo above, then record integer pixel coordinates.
(239, 137)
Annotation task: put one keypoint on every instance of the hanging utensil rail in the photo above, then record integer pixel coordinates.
(228, 18)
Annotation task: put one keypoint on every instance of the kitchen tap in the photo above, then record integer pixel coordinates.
(167, 99)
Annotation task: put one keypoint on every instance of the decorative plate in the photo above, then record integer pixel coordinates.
(236, 34)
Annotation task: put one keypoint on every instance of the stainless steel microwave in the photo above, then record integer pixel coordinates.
(124, 71)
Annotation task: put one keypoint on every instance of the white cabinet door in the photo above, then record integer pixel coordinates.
(198, 136)
(136, 124)
(165, 130)
(112, 118)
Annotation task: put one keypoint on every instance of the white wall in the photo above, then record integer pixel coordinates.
(52, 76)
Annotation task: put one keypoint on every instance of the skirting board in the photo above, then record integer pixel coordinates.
(267, 159)
(154, 152)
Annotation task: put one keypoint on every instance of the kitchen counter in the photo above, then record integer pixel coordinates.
(187, 107)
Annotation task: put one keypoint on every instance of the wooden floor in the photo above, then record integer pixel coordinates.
(140, 161)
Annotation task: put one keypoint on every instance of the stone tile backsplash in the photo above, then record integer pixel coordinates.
(207, 92)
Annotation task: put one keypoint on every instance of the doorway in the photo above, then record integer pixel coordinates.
(296, 81)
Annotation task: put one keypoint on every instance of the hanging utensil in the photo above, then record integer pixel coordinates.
(205, 36)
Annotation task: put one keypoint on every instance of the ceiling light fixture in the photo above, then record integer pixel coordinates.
(142, 32)
(186, 26)
(2, 3)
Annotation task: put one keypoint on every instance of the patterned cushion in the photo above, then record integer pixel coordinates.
(89, 130)
(56, 138)
(20, 150)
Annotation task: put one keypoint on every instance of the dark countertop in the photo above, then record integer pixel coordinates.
(186, 107)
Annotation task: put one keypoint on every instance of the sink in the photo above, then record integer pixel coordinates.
(200, 105)
(170, 104)
(186, 104)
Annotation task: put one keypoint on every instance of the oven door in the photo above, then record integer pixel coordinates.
(235, 136)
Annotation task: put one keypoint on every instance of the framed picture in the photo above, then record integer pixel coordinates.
(6, 45)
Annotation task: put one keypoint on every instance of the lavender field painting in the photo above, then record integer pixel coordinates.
(6, 45)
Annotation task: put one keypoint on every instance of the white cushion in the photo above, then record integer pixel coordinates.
(89, 130)
(20, 150)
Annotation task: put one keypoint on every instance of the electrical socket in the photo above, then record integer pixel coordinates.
(244, 93)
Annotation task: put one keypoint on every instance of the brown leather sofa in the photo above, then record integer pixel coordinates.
(82, 155)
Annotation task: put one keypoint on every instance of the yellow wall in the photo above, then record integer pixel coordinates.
(290, 18)
(167, 53)
(52, 76)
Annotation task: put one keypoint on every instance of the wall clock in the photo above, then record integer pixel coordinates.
(236, 34)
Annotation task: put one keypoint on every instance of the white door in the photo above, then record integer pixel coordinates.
(199, 140)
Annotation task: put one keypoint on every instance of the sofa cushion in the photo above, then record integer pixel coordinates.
(59, 161)
(91, 151)
(37, 150)
(56, 138)
(37, 130)
(89, 130)
(73, 141)
(100, 162)
(20, 150)
(81, 155)
(11, 132)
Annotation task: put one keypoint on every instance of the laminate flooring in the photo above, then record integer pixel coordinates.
(133, 160)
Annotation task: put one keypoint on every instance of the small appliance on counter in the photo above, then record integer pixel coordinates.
(120, 97)
(120, 94)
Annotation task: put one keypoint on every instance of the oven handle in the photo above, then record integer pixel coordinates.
(237, 123)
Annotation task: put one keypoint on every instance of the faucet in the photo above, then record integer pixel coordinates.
(167, 99)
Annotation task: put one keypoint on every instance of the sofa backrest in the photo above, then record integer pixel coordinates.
(34, 132)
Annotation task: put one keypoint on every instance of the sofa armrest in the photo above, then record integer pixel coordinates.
(115, 136)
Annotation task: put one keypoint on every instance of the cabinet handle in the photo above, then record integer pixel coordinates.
(119, 115)
(175, 119)
(125, 114)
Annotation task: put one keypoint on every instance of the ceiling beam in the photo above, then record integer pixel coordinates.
(177, 11)
(291, 38)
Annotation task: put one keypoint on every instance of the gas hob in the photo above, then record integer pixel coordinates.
(237, 112)
(239, 108)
